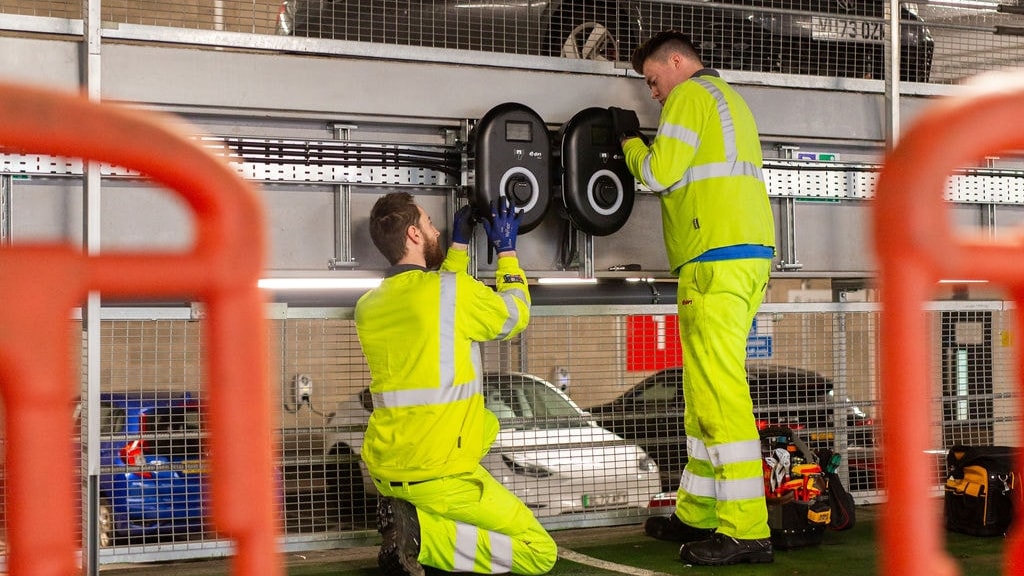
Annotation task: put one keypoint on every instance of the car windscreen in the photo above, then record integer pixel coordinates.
(520, 402)
(661, 389)
(176, 431)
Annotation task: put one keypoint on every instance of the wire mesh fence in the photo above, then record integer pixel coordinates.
(940, 41)
(589, 402)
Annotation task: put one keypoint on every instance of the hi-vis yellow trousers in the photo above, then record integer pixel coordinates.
(722, 485)
(471, 523)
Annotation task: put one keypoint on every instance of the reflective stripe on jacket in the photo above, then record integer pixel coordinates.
(705, 163)
(418, 331)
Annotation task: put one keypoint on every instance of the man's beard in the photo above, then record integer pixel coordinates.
(433, 253)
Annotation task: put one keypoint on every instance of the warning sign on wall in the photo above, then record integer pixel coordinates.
(652, 343)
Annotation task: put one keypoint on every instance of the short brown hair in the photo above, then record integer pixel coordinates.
(390, 218)
(659, 45)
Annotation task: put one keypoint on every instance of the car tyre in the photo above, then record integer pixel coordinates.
(105, 529)
(594, 32)
(312, 18)
(590, 41)
(344, 482)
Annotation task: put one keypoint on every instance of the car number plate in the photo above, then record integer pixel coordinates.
(595, 500)
(824, 28)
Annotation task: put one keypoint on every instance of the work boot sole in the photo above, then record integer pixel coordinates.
(745, 557)
(395, 528)
(721, 550)
(750, 557)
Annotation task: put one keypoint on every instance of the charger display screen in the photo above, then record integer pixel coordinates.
(518, 131)
(600, 135)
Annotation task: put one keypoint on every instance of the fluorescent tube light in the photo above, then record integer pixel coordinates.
(317, 283)
(944, 281)
(566, 280)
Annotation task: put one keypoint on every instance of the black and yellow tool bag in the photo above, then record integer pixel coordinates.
(982, 489)
(796, 518)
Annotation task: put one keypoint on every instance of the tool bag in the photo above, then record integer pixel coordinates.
(795, 490)
(982, 489)
(843, 505)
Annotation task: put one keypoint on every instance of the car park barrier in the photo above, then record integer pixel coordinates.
(40, 284)
(917, 246)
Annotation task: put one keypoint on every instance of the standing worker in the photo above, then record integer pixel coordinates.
(429, 429)
(705, 165)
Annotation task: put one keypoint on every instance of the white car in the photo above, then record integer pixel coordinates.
(548, 452)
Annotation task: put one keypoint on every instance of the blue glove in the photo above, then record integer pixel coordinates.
(462, 225)
(503, 226)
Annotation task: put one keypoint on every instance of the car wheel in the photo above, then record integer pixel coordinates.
(312, 18)
(590, 41)
(105, 525)
(594, 31)
(916, 63)
(344, 482)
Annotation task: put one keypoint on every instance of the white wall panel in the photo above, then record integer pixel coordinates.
(51, 63)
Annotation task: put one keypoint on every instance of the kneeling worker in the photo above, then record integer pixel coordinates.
(429, 429)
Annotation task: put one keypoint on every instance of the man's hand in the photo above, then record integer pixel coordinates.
(503, 225)
(625, 124)
(463, 224)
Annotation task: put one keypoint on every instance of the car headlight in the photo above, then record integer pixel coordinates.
(647, 464)
(527, 469)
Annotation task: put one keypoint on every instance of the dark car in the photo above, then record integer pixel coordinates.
(587, 30)
(651, 413)
(153, 466)
(818, 37)
(844, 38)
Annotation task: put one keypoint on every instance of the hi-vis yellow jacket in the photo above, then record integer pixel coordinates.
(705, 163)
(418, 331)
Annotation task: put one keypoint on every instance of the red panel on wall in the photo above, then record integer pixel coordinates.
(652, 343)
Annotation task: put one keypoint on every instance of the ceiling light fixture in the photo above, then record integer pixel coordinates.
(557, 280)
(318, 283)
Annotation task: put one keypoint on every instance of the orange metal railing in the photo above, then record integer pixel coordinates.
(40, 284)
(917, 246)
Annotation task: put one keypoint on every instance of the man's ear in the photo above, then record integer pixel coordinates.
(412, 233)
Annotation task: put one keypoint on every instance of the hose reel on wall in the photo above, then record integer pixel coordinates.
(510, 149)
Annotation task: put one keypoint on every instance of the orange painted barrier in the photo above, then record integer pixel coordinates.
(41, 284)
(917, 246)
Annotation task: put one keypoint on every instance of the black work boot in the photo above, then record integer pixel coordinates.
(398, 524)
(672, 529)
(720, 550)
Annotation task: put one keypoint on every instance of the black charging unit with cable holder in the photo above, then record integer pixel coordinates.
(509, 156)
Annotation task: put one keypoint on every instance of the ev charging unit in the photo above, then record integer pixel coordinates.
(597, 187)
(510, 152)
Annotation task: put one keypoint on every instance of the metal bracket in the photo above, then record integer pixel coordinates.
(788, 261)
(6, 187)
(342, 258)
(787, 152)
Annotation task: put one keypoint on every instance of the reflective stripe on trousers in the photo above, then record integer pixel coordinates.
(722, 484)
(471, 523)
